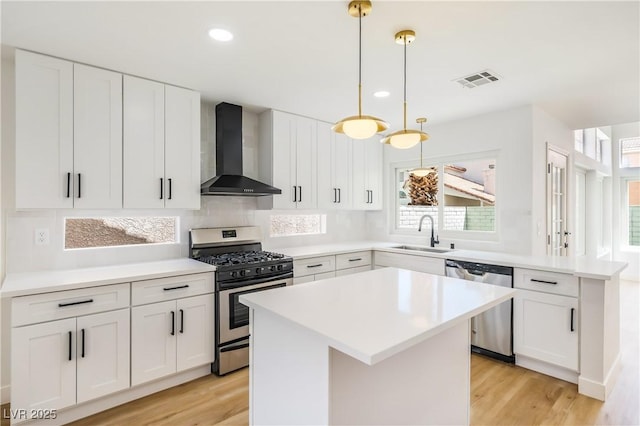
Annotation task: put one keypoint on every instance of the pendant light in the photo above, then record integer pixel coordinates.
(360, 126)
(421, 171)
(405, 138)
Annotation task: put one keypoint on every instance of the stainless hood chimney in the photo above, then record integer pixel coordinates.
(229, 179)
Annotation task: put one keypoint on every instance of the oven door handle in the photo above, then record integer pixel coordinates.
(245, 283)
(234, 347)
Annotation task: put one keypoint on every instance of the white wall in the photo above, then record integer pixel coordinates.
(509, 135)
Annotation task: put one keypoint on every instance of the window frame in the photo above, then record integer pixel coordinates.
(393, 210)
(624, 210)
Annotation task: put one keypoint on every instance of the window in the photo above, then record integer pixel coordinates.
(283, 225)
(118, 231)
(633, 212)
(629, 152)
(578, 136)
(460, 194)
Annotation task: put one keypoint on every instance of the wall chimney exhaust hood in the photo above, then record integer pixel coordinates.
(229, 179)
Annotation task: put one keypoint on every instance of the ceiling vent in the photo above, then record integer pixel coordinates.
(478, 79)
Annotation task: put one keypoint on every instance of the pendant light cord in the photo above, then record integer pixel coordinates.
(360, 61)
(421, 147)
(405, 83)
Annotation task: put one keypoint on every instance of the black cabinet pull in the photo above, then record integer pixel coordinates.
(161, 195)
(176, 288)
(82, 347)
(339, 196)
(544, 282)
(572, 312)
(169, 187)
(69, 346)
(300, 194)
(68, 185)
(335, 195)
(314, 266)
(79, 185)
(181, 321)
(295, 194)
(355, 260)
(173, 323)
(82, 302)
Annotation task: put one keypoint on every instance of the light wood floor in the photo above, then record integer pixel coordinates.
(501, 394)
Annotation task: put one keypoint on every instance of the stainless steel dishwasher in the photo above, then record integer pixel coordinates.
(492, 330)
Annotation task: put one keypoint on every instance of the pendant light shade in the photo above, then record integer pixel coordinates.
(360, 126)
(405, 138)
(421, 171)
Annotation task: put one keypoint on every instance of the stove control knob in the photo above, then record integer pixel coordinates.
(279, 267)
(258, 270)
(242, 273)
(272, 267)
(234, 274)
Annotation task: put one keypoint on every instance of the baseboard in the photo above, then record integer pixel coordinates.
(548, 369)
(92, 407)
(599, 390)
(5, 394)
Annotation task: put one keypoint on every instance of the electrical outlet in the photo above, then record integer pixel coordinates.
(42, 236)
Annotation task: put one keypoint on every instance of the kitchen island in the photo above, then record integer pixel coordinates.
(388, 346)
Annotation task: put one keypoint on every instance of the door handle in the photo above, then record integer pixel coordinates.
(572, 312)
(335, 195)
(79, 185)
(300, 194)
(295, 194)
(339, 196)
(173, 323)
(181, 321)
(161, 195)
(68, 185)
(82, 347)
(169, 188)
(69, 346)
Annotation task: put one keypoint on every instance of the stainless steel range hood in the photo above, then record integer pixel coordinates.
(229, 179)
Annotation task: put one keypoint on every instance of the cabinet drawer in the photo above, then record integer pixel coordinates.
(161, 289)
(350, 271)
(353, 260)
(314, 265)
(547, 282)
(69, 303)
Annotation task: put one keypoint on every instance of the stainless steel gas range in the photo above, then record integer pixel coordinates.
(241, 267)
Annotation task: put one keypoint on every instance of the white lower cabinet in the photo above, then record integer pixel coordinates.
(60, 363)
(322, 267)
(430, 265)
(171, 336)
(546, 328)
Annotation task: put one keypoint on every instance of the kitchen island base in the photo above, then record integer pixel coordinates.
(297, 378)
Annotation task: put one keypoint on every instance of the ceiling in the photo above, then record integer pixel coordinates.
(578, 60)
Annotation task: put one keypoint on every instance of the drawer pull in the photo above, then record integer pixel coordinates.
(176, 288)
(82, 302)
(355, 260)
(572, 312)
(314, 266)
(543, 281)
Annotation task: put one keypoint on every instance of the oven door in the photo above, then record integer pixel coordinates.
(234, 316)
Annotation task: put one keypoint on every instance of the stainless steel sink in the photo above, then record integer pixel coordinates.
(428, 249)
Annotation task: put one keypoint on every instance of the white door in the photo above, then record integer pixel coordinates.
(44, 131)
(557, 187)
(43, 370)
(373, 155)
(97, 136)
(359, 173)
(195, 331)
(143, 143)
(546, 327)
(327, 191)
(153, 341)
(102, 352)
(284, 160)
(306, 163)
(182, 148)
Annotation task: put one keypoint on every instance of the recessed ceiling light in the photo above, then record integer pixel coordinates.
(381, 94)
(220, 35)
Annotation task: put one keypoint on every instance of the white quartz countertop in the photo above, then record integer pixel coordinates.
(18, 284)
(376, 314)
(578, 266)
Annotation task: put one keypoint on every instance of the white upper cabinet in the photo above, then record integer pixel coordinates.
(97, 129)
(334, 168)
(182, 148)
(161, 145)
(44, 131)
(288, 160)
(367, 174)
(144, 185)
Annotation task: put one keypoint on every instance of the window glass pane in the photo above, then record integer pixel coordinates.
(297, 224)
(118, 231)
(633, 197)
(579, 141)
(469, 195)
(630, 152)
(417, 196)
